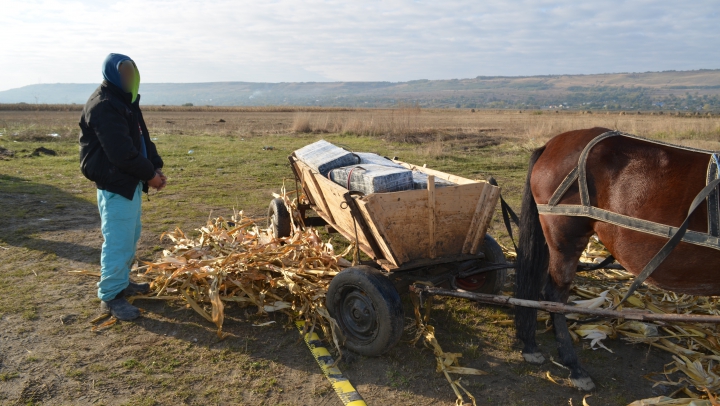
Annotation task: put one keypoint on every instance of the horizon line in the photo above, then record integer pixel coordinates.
(387, 81)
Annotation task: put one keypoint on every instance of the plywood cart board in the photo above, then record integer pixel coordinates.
(408, 228)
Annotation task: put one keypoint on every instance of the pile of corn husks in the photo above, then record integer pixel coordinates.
(695, 347)
(237, 261)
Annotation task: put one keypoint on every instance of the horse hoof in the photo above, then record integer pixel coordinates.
(534, 358)
(585, 383)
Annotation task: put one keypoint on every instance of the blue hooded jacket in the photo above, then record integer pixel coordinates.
(112, 74)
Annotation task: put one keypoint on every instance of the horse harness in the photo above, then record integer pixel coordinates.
(713, 199)
(710, 193)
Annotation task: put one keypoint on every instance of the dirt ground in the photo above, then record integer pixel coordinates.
(49, 354)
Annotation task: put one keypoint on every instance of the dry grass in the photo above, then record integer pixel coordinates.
(201, 109)
(435, 132)
(695, 131)
(301, 123)
(402, 124)
(435, 128)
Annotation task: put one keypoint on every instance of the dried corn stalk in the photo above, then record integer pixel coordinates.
(237, 261)
(447, 362)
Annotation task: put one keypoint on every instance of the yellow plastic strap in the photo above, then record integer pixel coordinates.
(342, 386)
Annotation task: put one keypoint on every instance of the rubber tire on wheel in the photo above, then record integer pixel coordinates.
(367, 308)
(278, 219)
(495, 280)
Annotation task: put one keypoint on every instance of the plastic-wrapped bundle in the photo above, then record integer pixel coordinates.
(420, 181)
(372, 178)
(323, 156)
(370, 158)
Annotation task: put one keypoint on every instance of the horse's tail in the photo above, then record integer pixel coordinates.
(532, 259)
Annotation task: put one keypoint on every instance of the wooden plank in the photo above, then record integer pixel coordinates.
(312, 190)
(326, 207)
(332, 195)
(438, 174)
(475, 223)
(298, 170)
(426, 262)
(488, 211)
(562, 308)
(362, 225)
(378, 232)
(319, 204)
(291, 159)
(397, 215)
(343, 220)
(431, 210)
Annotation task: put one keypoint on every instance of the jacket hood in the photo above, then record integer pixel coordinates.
(112, 74)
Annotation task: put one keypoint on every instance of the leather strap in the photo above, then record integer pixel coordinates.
(582, 166)
(564, 186)
(671, 244)
(508, 214)
(713, 200)
(643, 226)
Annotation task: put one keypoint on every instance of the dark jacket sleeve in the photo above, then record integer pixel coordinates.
(113, 133)
(152, 153)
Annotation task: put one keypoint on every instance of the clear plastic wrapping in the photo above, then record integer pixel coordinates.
(323, 157)
(420, 181)
(370, 158)
(373, 178)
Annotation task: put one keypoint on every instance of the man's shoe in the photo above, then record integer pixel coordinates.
(120, 308)
(136, 289)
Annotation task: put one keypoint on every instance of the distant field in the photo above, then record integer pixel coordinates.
(216, 160)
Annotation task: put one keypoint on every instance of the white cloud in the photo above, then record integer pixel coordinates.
(291, 40)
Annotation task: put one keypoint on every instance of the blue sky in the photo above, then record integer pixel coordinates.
(291, 40)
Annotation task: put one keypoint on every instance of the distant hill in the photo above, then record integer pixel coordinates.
(692, 90)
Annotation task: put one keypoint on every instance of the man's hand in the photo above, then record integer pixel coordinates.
(163, 177)
(158, 182)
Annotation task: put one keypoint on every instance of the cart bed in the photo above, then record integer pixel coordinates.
(411, 227)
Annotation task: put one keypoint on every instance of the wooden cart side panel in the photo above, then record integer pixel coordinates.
(404, 217)
(476, 223)
(488, 211)
(327, 192)
(311, 188)
(400, 221)
(378, 232)
(438, 174)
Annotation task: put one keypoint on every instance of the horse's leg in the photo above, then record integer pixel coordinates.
(567, 238)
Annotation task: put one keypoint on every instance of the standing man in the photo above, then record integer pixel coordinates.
(117, 154)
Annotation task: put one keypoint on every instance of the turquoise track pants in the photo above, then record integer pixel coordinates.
(120, 219)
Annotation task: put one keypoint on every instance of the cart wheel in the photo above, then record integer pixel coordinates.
(367, 308)
(278, 219)
(490, 282)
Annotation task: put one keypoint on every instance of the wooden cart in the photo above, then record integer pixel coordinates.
(436, 235)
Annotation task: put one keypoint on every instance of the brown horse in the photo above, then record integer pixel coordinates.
(628, 176)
